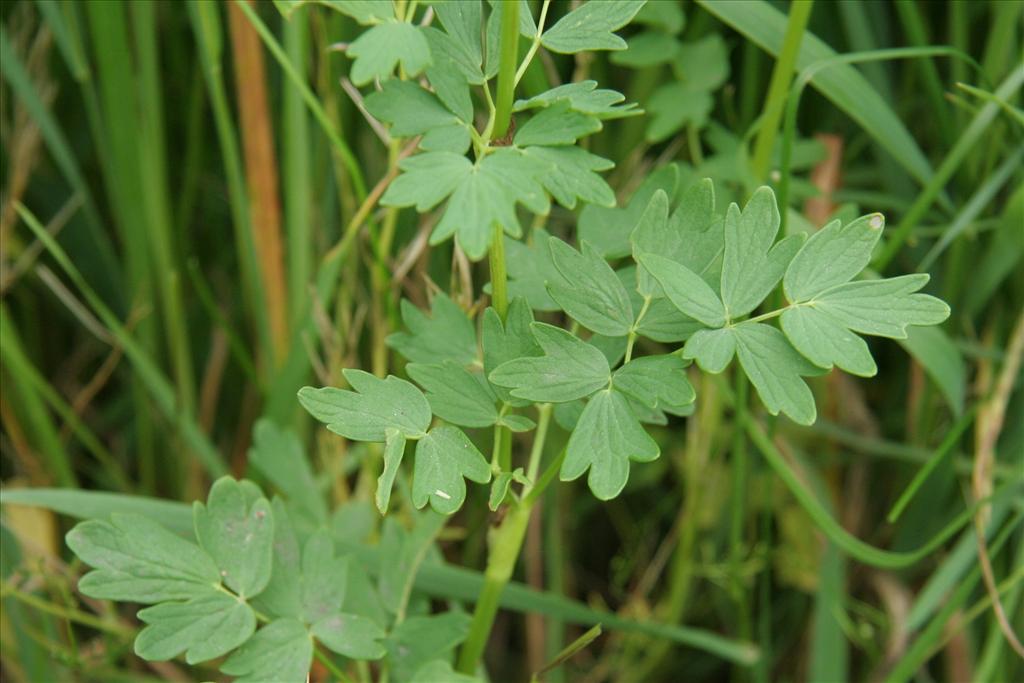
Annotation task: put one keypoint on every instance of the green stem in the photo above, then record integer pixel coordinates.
(799, 13)
(499, 274)
(506, 68)
(535, 45)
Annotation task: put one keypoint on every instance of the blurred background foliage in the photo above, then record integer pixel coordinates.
(209, 257)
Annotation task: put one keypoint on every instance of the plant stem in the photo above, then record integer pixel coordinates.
(799, 13)
(499, 274)
(535, 45)
(506, 68)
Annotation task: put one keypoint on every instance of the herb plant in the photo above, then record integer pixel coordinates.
(591, 332)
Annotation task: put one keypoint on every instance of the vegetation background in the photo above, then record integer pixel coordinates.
(199, 169)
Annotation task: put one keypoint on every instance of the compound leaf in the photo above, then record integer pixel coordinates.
(609, 229)
(236, 528)
(380, 49)
(685, 289)
(594, 295)
(712, 349)
(825, 341)
(883, 307)
(427, 180)
(323, 578)
(446, 334)
(507, 341)
(607, 436)
(440, 671)
(832, 256)
(590, 27)
(774, 368)
(281, 651)
(443, 457)
(571, 174)
(136, 559)
(530, 269)
(411, 110)
(656, 381)
(584, 97)
(455, 394)
(752, 266)
(422, 639)
(375, 406)
(350, 635)
(556, 125)
(366, 12)
(283, 595)
(279, 456)
(203, 628)
(569, 369)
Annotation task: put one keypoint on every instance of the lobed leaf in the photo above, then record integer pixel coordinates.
(350, 635)
(236, 528)
(443, 457)
(775, 368)
(204, 628)
(503, 342)
(380, 49)
(558, 124)
(607, 436)
(657, 382)
(375, 406)
(590, 27)
(456, 394)
(569, 369)
(446, 334)
(585, 97)
(570, 175)
(281, 651)
(135, 559)
(279, 456)
(593, 295)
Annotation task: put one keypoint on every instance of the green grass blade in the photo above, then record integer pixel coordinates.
(941, 360)
(856, 548)
(148, 373)
(81, 504)
(844, 85)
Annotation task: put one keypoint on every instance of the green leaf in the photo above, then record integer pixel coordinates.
(443, 457)
(517, 423)
(556, 125)
(665, 323)
(590, 26)
(774, 368)
(279, 456)
(675, 106)
(752, 266)
(883, 307)
(647, 49)
(712, 349)
(323, 578)
(507, 341)
(594, 295)
(941, 360)
(500, 485)
(463, 21)
(608, 229)
(411, 110)
(236, 527)
(281, 651)
(375, 406)
(703, 65)
(138, 560)
(428, 179)
(686, 290)
(380, 49)
(455, 394)
(394, 451)
(832, 256)
(440, 671)
(366, 12)
(656, 381)
(203, 628)
(668, 16)
(350, 635)
(283, 595)
(825, 341)
(693, 236)
(487, 195)
(570, 368)
(571, 174)
(530, 269)
(422, 639)
(527, 29)
(584, 97)
(446, 334)
(607, 436)
(450, 74)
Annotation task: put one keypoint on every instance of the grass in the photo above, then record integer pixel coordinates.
(190, 231)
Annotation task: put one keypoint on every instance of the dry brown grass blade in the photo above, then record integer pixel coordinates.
(260, 172)
(989, 425)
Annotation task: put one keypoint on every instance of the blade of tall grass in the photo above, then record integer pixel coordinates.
(844, 86)
(26, 401)
(778, 87)
(933, 634)
(206, 25)
(159, 389)
(60, 150)
(297, 162)
(942, 361)
(256, 130)
(965, 143)
(981, 198)
(856, 548)
(437, 579)
(916, 31)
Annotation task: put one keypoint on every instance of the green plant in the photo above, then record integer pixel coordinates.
(676, 271)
